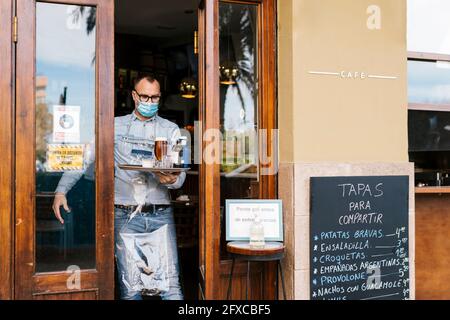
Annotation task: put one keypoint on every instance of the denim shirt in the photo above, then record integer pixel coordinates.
(131, 128)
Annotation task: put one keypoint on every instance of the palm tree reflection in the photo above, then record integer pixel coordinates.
(90, 13)
(239, 101)
(91, 16)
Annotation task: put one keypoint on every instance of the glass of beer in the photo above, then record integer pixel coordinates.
(161, 145)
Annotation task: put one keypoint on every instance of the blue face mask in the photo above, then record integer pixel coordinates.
(148, 110)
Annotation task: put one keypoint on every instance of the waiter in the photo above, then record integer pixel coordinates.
(134, 134)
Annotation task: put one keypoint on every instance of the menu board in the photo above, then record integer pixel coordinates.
(359, 238)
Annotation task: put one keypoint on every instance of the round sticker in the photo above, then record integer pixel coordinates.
(66, 121)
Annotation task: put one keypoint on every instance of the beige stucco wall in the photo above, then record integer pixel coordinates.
(331, 125)
(328, 118)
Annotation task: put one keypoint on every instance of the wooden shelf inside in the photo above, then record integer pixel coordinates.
(425, 190)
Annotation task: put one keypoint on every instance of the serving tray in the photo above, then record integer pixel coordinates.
(130, 167)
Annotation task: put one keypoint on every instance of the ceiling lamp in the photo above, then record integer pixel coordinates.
(188, 88)
(229, 72)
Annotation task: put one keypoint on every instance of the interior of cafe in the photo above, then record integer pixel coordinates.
(162, 42)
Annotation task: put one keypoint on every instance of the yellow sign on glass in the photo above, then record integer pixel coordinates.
(62, 157)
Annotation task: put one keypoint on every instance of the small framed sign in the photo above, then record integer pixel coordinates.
(241, 213)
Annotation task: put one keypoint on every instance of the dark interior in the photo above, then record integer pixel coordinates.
(157, 38)
(429, 146)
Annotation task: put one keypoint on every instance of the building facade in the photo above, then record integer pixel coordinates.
(321, 89)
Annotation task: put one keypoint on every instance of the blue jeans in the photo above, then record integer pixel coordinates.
(147, 223)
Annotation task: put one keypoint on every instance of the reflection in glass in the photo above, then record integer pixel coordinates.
(238, 102)
(429, 131)
(429, 82)
(65, 134)
(428, 26)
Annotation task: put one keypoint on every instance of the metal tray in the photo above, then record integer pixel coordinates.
(131, 167)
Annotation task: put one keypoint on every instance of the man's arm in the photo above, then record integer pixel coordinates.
(68, 180)
(66, 183)
(178, 183)
(171, 181)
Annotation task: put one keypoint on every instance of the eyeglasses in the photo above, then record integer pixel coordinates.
(147, 98)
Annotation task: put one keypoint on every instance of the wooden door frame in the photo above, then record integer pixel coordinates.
(209, 173)
(202, 185)
(210, 117)
(6, 147)
(29, 285)
(269, 115)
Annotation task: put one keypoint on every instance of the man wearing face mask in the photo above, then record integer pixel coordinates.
(134, 134)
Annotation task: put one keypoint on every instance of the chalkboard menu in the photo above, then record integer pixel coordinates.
(359, 238)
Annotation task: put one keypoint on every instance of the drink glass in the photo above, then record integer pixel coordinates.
(161, 146)
(168, 162)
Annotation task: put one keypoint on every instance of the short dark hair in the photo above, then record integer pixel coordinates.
(144, 76)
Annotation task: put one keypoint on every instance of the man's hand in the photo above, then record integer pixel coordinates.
(60, 200)
(167, 178)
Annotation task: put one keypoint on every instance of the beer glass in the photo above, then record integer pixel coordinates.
(161, 145)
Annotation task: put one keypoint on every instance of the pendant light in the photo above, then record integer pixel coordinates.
(229, 70)
(188, 86)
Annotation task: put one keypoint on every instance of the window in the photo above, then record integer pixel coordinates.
(429, 84)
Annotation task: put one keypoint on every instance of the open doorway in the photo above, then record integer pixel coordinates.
(157, 38)
(68, 89)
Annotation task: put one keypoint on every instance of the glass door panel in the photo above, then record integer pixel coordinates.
(239, 104)
(237, 98)
(65, 135)
(64, 98)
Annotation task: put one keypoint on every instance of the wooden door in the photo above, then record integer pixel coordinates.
(6, 139)
(64, 129)
(237, 108)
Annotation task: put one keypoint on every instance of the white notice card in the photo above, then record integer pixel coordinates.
(241, 213)
(66, 124)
